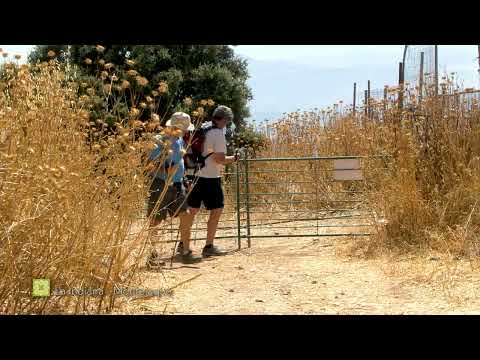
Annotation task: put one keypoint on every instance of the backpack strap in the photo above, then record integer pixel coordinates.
(203, 160)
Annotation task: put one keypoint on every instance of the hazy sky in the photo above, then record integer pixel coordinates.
(290, 77)
(17, 49)
(286, 77)
(338, 56)
(462, 59)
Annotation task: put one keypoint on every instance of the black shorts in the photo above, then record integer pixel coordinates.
(173, 203)
(207, 191)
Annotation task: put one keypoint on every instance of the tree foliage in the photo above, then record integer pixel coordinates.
(189, 71)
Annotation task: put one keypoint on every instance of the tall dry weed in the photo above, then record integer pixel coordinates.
(422, 171)
(72, 190)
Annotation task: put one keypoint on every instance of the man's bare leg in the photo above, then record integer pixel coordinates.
(212, 225)
(186, 222)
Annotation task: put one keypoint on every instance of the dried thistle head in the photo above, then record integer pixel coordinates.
(132, 73)
(162, 87)
(134, 112)
(107, 88)
(137, 124)
(142, 81)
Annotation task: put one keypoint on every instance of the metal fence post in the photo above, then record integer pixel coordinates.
(239, 233)
(247, 193)
(317, 210)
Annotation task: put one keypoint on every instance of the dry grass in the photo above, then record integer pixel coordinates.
(61, 218)
(426, 184)
(71, 193)
(71, 190)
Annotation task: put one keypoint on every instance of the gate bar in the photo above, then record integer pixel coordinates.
(313, 158)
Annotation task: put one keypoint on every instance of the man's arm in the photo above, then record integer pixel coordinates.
(220, 158)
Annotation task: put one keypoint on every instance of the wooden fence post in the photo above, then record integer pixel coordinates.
(420, 85)
(385, 93)
(400, 84)
(368, 101)
(478, 46)
(436, 70)
(354, 97)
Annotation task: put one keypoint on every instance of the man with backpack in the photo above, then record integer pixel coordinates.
(208, 156)
(168, 172)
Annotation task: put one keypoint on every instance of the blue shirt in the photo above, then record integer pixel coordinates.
(174, 159)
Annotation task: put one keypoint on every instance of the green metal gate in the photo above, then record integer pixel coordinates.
(292, 198)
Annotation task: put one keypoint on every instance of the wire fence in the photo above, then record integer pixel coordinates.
(418, 79)
(413, 66)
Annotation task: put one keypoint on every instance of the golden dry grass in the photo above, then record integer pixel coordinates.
(70, 208)
(425, 182)
(71, 190)
(60, 217)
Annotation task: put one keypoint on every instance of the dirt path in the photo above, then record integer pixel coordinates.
(298, 276)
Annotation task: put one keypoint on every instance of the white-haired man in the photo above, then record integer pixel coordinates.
(174, 201)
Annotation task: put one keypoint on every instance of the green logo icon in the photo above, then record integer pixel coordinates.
(41, 287)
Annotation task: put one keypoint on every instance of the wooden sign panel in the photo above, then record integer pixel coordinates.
(347, 169)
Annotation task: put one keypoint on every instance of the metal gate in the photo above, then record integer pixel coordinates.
(292, 198)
